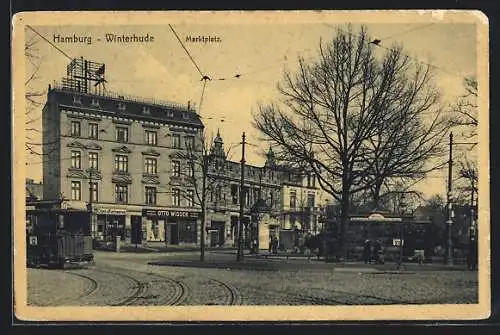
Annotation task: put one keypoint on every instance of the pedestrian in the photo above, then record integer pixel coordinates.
(376, 252)
(271, 242)
(275, 245)
(366, 251)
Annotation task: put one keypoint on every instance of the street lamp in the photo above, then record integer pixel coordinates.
(402, 208)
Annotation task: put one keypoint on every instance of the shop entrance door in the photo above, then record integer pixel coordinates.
(136, 234)
(174, 233)
(213, 238)
(219, 227)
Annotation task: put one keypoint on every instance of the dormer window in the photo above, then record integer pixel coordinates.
(145, 110)
(77, 99)
(121, 106)
(95, 102)
(185, 116)
(170, 113)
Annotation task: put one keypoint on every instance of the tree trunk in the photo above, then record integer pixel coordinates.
(203, 217)
(202, 234)
(344, 220)
(376, 196)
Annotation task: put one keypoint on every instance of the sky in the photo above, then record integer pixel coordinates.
(258, 52)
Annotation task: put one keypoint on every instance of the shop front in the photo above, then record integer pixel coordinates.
(172, 227)
(110, 224)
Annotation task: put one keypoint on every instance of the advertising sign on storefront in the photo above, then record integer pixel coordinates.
(169, 213)
(110, 211)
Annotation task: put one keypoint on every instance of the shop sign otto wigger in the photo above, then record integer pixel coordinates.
(169, 213)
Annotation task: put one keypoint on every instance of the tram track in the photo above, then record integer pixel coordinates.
(234, 297)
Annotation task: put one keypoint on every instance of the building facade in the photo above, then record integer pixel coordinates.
(276, 198)
(122, 156)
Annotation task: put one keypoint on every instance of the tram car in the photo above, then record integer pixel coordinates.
(410, 240)
(58, 238)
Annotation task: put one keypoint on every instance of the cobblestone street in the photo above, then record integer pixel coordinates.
(128, 279)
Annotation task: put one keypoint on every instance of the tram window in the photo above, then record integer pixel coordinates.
(60, 222)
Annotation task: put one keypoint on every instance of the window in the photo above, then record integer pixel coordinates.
(185, 116)
(176, 168)
(271, 198)
(121, 106)
(189, 198)
(94, 160)
(293, 199)
(310, 200)
(76, 190)
(151, 137)
(150, 195)
(95, 102)
(234, 194)
(176, 140)
(77, 99)
(76, 159)
(313, 178)
(218, 193)
(121, 134)
(93, 130)
(121, 163)
(145, 110)
(95, 192)
(246, 196)
(121, 193)
(255, 194)
(176, 197)
(308, 180)
(190, 169)
(170, 113)
(75, 128)
(189, 142)
(150, 165)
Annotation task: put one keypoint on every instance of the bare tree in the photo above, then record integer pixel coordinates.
(355, 119)
(202, 175)
(464, 110)
(32, 95)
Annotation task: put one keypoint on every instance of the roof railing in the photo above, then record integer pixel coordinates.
(125, 97)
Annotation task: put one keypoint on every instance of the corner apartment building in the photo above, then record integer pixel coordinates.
(121, 155)
(276, 198)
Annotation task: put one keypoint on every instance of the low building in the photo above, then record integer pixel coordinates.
(34, 190)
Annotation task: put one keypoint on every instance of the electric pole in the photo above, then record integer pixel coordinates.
(449, 221)
(239, 255)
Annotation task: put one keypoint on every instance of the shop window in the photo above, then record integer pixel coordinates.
(187, 232)
(155, 229)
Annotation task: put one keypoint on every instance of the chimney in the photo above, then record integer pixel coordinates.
(189, 104)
